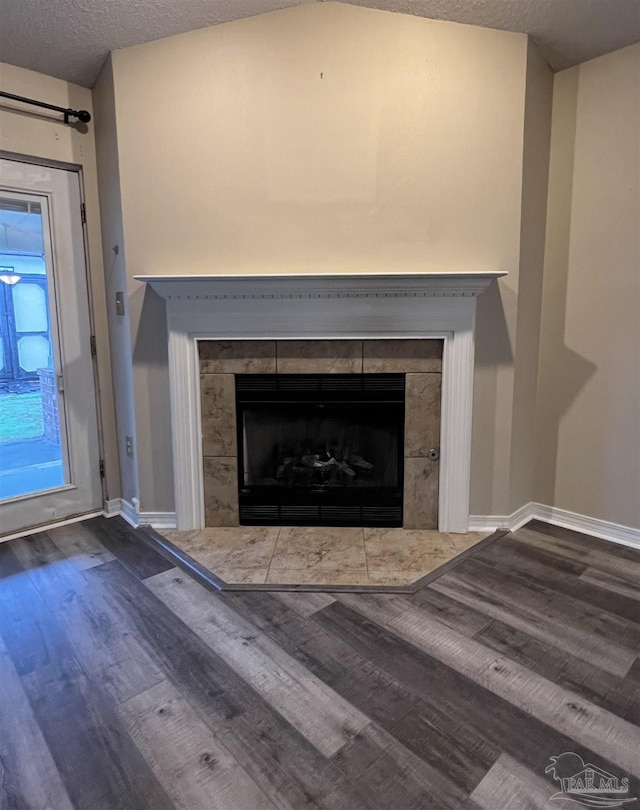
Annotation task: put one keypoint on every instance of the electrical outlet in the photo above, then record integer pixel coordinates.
(128, 441)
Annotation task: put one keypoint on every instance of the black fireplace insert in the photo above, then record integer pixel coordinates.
(320, 449)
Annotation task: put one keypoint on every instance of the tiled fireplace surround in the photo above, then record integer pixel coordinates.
(355, 312)
(419, 360)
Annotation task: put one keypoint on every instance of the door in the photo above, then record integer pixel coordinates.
(49, 443)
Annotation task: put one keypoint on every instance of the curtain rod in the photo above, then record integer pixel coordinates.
(81, 115)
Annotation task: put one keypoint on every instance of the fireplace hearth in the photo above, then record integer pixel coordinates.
(320, 450)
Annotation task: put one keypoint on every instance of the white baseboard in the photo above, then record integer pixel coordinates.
(615, 532)
(112, 508)
(484, 523)
(158, 520)
(129, 511)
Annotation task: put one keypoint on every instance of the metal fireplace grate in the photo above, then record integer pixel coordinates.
(292, 515)
(291, 383)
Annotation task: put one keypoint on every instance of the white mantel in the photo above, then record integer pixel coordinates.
(241, 307)
(216, 287)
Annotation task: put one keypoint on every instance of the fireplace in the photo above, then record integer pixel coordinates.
(320, 449)
(268, 408)
(370, 307)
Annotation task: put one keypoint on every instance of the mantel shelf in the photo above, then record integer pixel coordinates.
(365, 285)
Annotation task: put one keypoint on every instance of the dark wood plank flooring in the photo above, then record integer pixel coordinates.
(124, 683)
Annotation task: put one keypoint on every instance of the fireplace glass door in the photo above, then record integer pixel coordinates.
(320, 449)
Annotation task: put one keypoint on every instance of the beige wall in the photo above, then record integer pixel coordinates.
(236, 156)
(535, 172)
(34, 135)
(588, 416)
(508, 323)
(326, 138)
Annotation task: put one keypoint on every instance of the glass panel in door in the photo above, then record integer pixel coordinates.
(32, 452)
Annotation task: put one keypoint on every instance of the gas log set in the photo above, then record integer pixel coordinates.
(328, 467)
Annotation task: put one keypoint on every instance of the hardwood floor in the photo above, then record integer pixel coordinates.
(126, 684)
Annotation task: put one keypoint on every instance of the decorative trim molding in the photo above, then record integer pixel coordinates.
(455, 430)
(186, 429)
(282, 287)
(605, 530)
(330, 307)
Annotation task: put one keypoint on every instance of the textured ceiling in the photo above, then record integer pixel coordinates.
(70, 39)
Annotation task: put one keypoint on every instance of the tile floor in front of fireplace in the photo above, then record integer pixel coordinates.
(320, 555)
